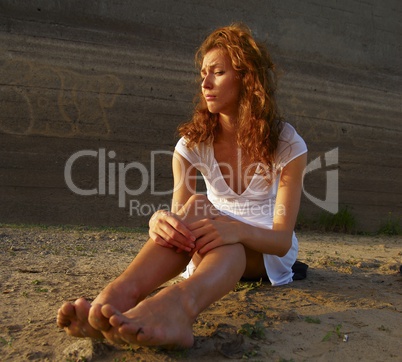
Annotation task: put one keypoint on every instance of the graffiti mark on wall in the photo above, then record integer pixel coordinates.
(42, 99)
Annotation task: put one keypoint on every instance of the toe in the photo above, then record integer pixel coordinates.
(109, 311)
(97, 320)
(82, 307)
(65, 314)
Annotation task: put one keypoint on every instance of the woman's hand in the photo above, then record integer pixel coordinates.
(212, 233)
(167, 230)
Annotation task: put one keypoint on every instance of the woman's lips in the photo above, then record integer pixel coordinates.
(209, 97)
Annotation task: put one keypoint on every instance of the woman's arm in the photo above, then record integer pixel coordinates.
(184, 181)
(165, 228)
(279, 240)
(224, 230)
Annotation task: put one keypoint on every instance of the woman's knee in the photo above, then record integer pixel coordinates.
(197, 207)
(197, 199)
(233, 253)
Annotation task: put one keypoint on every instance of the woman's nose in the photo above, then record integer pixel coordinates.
(206, 83)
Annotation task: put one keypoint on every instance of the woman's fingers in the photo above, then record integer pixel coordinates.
(207, 234)
(212, 233)
(166, 229)
(175, 233)
(202, 227)
(159, 240)
(201, 236)
(178, 226)
(204, 245)
(169, 240)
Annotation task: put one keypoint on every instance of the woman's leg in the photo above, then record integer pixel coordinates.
(255, 268)
(153, 266)
(167, 317)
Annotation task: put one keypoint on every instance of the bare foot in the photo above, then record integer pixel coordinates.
(165, 319)
(73, 318)
(83, 319)
(100, 323)
(121, 298)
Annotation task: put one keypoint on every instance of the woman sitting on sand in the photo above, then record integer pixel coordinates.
(252, 163)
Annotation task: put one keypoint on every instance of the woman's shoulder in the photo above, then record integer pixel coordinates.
(289, 135)
(183, 143)
(288, 132)
(290, 144)
(200, 150)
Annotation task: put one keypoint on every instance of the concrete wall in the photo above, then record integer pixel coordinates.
(117, 77)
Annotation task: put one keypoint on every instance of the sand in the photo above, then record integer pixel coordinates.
(348, 309)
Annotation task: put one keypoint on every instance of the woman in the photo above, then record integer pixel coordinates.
(252, 164)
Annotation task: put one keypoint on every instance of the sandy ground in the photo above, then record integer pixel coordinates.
(348, 309)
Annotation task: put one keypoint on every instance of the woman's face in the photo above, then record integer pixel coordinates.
(220, 84)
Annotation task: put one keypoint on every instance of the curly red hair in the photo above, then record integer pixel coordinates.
(259, 122)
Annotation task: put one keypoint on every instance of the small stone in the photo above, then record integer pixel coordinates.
(80, 351)
(85, 350)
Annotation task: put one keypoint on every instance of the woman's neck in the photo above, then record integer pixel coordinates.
(227, 129)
